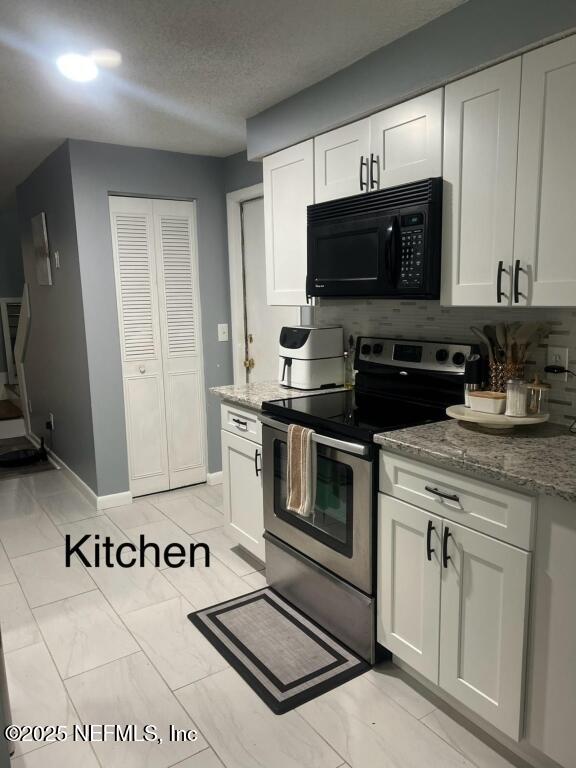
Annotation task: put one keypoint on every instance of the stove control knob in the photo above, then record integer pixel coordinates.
(365, 349)
(459, 358)
(442, 355)
(377, 349)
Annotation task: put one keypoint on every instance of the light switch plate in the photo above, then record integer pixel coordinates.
(557, 356)
(222, 331)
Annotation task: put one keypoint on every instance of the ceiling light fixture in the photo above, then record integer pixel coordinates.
(76, 67)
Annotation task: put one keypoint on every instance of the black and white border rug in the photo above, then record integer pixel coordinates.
(284, 657)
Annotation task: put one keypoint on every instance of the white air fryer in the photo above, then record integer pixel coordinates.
(311, 357)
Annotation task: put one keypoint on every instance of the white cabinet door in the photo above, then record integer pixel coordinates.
(406, 141)
(142, 366)
(483, 625)
(409, 584)
(288, 190)
(551, 670)
(480, 148)
(546, 196)
(242, 481)
(179, 303)
(341, 161)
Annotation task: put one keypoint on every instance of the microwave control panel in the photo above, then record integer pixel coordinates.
(412, 256)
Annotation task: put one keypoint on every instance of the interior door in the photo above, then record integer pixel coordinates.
(483, 625)
(406, 141)
(409, 584)
(480, 148)
(179, 304)
(546, 197)
(341, 161)
(262, 322)
(142, 366)
(243, 502)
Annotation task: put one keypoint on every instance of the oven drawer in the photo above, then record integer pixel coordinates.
(337, 607)
(495, 511)
(241, 421)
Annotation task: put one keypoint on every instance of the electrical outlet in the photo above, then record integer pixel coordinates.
(557, 356)
(222, 331)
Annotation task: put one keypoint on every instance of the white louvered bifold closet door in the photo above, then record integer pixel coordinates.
(177, 270)
(157, 289)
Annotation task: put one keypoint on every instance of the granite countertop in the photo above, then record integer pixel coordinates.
(253, 395)
(540, 459)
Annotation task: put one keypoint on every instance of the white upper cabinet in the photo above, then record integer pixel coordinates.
(395, 146)
(288, 190)
(544, 251)
(341, 162)
(509, 195)
(406, 142)
(480, 148)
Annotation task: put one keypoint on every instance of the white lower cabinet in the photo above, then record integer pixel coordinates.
(242, 486)
(483, 617)
(409, 584)
(453, 605)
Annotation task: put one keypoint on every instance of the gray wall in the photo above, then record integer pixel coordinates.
(11, 267)
(239, 172)
(56, 362)
(470, 36)
(97, 170)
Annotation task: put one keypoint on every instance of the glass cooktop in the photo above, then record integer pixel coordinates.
(354, 414)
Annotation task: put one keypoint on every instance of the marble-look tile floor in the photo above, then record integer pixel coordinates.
(110, 645)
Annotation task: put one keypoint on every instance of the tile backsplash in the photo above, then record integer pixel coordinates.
(429, 320)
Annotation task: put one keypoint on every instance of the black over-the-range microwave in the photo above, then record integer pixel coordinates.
(385, 243)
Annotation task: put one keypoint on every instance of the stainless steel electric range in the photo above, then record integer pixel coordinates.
(325, 564)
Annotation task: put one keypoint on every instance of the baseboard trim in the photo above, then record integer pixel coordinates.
(98, 502)
(214, 478)
(77, 481)
(114, 500)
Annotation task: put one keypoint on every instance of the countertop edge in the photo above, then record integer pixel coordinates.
(476, 471)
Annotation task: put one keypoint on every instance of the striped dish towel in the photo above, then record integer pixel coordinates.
(301, 470)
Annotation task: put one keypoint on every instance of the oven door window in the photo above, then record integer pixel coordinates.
(331, 519)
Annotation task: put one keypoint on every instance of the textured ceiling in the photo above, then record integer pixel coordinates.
(192, 72)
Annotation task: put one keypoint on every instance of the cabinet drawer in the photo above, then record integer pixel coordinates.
(241, 422)
(497, 512)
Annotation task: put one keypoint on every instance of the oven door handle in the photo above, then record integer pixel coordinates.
(330, 442)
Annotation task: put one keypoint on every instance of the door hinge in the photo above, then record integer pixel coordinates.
(249, 363)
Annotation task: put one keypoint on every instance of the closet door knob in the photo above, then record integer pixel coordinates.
(142, 369)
